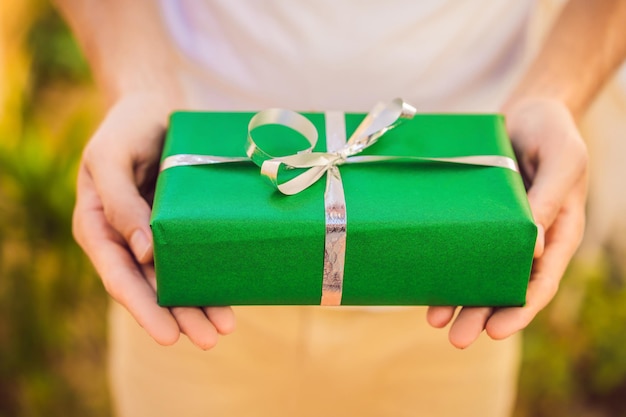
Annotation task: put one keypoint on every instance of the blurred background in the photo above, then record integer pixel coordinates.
(53, 307)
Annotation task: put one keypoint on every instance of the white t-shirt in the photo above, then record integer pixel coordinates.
(441, 55)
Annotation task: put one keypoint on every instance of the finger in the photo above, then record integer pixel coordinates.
(439, 316)
(223, 318)
(540, 242)
(561, 166)
(468, 325)
(120, 145)
(562, 241)
(149, 274)
(201, 326)
(119, 273)
(195, 324)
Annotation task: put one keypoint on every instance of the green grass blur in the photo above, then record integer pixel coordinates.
(53, 307)
(574, 360)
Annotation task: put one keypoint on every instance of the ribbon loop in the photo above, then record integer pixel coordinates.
(378, 121)
(283, 117)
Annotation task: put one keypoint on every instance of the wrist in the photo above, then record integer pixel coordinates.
(517, 105)
(535, 119)
(156, 103)
(545, 93)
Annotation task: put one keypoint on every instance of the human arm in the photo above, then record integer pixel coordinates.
(135, 67)
(585, 46)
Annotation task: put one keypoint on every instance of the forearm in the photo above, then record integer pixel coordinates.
(125, 44)
(583, 49)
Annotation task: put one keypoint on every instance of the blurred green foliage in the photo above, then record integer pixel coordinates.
(53, 307)
(574, 356)
(56, 55)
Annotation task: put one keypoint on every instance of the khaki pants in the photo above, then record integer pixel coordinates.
(313, 361)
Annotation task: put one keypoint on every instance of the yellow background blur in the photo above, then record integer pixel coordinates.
(53, 307)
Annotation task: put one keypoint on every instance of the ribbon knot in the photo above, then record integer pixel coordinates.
(378, 121)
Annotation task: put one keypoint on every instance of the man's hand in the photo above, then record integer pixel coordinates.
(553, 160)
(111, 220)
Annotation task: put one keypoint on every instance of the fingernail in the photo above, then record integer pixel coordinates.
(540, 243)
(140, 245)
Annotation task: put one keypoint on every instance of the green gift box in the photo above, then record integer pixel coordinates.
(420, 230)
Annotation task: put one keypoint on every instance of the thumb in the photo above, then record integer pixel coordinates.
(556, 175)
(127, 211)
(553, 155)
(123, 146)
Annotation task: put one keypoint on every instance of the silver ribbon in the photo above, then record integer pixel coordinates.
(314, 165)
(335, 215)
